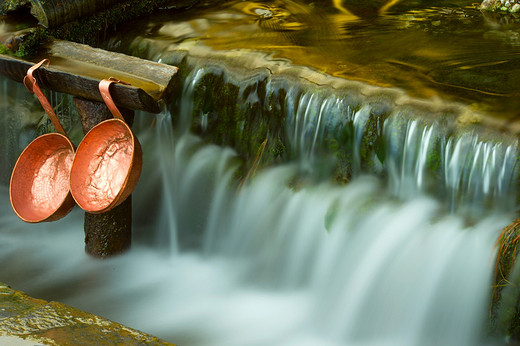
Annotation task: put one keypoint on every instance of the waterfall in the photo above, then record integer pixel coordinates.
(391, 258)
(386, 272)
(469, 170)
(267, 269)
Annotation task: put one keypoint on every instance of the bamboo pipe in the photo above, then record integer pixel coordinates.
(52, 13)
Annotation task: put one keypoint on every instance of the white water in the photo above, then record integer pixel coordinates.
(324, 265)
(468, 173)
(267, 271)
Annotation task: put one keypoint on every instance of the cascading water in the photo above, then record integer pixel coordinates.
(469, 173)
(378, 261)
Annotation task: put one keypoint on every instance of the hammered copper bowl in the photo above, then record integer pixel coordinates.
(107, 165)
(39, 188)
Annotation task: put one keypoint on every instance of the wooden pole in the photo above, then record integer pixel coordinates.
(109, 233)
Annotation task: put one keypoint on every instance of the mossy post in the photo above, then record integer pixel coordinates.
(109, 233)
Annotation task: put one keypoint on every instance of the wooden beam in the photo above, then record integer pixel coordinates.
(76, 69)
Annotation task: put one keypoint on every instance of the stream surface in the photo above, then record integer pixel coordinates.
(443, 49)
(401, 255)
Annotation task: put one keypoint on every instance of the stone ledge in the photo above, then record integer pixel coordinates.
(52, 323)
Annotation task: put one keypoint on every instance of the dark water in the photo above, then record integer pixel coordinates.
(446, 49)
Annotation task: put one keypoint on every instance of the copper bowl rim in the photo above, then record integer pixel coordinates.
(20, 161)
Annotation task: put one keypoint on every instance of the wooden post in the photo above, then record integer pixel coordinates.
(109, 233)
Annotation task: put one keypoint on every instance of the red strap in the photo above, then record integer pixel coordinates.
(32, 86)
(104, 87)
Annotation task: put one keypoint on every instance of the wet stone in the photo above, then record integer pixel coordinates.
(58, 324)
(501, 5)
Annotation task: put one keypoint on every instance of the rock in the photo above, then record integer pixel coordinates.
(40, 322)
(501, 5)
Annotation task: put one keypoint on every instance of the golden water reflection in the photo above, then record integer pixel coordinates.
(451, 50)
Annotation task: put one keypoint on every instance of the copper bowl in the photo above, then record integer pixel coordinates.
(39, 187)
(108, 162)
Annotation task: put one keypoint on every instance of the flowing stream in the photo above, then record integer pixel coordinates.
(378, 261)
(403, 253)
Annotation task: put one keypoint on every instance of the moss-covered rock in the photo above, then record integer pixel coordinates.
(53, 323)
(232, 113)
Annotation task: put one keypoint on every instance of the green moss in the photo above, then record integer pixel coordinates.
(434, 157)
(372, 143)
(339, 144)
(4, 49)
(277, 149)
(31, 42)
(233, 113)
(12, 5)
